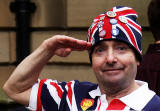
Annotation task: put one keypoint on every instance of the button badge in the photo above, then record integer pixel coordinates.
(111, 14)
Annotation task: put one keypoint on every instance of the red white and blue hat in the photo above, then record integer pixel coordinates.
(119, 23)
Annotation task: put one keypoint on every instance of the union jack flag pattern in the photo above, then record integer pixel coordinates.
(118, 23)
(50, 95)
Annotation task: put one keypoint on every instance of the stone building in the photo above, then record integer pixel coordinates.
(51, 17)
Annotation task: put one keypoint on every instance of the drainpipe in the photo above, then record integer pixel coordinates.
(22, 10)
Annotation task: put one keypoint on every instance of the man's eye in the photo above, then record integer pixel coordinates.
(122, 48)
(99, 49)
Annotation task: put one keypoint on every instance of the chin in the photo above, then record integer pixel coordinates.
(113, 82)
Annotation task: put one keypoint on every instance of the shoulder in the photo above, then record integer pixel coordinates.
(85, 85)
(75, 84)
(156, 99)
(60, 88)
(154, 104)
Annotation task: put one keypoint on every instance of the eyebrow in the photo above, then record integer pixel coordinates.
(114, 42)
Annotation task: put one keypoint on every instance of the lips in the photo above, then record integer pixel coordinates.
(112, 69)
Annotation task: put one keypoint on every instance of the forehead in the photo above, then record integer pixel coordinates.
(111, 43)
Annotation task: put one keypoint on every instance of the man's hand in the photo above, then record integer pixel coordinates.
(62, 45)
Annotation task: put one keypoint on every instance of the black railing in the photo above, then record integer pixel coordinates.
(23, 10)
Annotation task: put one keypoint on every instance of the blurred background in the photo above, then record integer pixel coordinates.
(24, 24)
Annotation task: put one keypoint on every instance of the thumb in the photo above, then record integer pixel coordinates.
(64, 52)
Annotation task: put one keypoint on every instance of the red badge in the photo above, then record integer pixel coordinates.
(102, 33)
(86, 103)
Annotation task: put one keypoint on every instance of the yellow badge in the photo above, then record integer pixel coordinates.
(86, 103)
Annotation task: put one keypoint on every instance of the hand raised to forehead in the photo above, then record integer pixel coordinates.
(62, 45)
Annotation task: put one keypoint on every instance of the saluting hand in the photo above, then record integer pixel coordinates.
(62, 45)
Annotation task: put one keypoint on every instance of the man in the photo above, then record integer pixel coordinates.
(149, 70)
(114, 45)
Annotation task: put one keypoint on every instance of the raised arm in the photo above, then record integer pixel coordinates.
(19, 84)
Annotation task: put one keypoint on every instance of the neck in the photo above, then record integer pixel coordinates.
(113, 93)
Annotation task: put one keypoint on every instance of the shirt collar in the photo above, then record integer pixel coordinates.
(136, 100)
(96, 92)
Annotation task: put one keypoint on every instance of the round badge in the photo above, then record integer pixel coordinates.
(111, 14)
(101, 18)
(123, 19)
(115, 32)
(100, 24)
(102, 33)
(113, 21)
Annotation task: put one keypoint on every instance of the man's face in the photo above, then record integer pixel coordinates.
(114, 63)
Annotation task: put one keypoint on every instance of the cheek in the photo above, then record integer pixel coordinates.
(128, 59)
(131, 63)
(97, 62)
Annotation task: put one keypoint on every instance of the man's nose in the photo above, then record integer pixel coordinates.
(111, 57)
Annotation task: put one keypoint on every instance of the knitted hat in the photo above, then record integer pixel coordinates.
(119, 23)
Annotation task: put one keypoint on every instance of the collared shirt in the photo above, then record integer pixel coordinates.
(149, 70)
(47, 95)
(136, 100)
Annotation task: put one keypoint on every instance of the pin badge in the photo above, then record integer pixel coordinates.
(102, 33)
(101, 18)
(123, 19)
(86, 103)
(111, 14)
(113, 21)
(115, 32)
(100, 24)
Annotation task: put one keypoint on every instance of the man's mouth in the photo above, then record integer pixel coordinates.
(112, 69)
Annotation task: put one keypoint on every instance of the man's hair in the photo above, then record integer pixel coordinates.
(153, 17)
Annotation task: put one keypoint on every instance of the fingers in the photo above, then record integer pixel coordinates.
(83, 46)
(63, 52)
(63, 45)
(79, 45)
(74, 44)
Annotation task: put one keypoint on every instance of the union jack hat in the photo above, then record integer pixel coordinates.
(119, 23)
